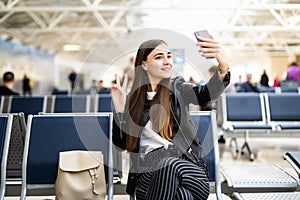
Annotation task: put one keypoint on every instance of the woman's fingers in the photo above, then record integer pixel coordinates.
(211, 49)
(205, 39)
(209, 52)
(125, 81)
(208, 44)
(122, 88)
(117, 79)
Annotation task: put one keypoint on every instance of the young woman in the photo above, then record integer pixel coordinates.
(153, 123)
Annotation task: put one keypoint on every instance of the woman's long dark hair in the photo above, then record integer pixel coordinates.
(160, 118)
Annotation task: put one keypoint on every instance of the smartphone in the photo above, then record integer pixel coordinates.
(203, 33)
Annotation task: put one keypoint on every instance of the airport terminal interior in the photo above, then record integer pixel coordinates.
(65, 55)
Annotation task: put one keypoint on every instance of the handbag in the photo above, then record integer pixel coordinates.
(80, 176)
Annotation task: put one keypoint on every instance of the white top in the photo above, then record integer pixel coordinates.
(150, 140)
(150, 95)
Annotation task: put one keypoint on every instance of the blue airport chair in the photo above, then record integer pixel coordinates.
(283, 111)
(15, 155)
(83, 92)
(264, 89)
(70, 104)
(289, 90)
(47, 135)
(206, 125)
(1, 103)
(103, 103)
(5, 131)
(27, 105)
(256, 178)
(60, 92)
(244, 113)
(293, 159)
(242, 109)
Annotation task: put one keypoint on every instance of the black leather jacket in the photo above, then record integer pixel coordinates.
(184, 131)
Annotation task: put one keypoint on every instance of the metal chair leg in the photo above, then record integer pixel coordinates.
(247, 146)
(234, 148)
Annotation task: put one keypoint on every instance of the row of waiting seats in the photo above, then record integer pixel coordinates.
(260, 115)
(267, 182)
(277, 90)
(280, 90)
(48, 134)
(56, 104)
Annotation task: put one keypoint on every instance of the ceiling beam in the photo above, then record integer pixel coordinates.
(278, 17)
(55, 20)
(37, 19)
(63, 29)
(96, 2)
(118, 29)
(98, 7)
(12, 3)
(6, 16)
(118, 14)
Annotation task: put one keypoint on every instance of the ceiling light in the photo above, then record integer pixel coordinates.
(72, 47)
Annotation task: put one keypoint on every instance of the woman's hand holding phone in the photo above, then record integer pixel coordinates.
(203, 34)
(211, 49)
(200, 35)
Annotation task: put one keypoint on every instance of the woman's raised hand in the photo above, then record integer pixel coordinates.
(213, 49)
(118, 93)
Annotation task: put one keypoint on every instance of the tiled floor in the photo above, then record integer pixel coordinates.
(267, 151)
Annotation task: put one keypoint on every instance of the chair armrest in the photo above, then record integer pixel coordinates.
(293, 158)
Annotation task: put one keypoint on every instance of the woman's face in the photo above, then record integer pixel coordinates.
(159, 64)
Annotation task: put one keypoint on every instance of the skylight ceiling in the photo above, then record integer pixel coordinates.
(245, 26)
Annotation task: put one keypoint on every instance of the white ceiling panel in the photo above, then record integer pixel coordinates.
(245, 26)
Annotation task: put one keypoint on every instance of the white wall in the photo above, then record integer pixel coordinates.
(36, 64)
(240, 65)
(275, 65)
(54, 72)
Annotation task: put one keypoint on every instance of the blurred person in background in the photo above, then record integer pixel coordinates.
(293, 73)
(101, 89)
(264, 79)
(276, 81)
(237, 85)
(129, 70)
(8, 81)
(26, 85)
(249, 85)
(72, 78)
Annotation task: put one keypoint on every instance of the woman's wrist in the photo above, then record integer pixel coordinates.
(223, 69)
(119, 110)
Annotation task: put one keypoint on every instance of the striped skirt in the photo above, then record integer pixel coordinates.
(173, 179)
